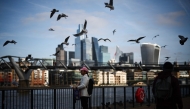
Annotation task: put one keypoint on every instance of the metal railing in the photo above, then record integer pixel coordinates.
(118, 97)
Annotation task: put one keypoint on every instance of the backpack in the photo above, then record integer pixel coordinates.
(163, 88)
(90, 86)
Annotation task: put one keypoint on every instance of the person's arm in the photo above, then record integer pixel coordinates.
(153, 86)
(83, 83)
(177, 93)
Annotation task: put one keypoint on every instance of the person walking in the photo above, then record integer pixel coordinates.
(166, 89)
(84, 96)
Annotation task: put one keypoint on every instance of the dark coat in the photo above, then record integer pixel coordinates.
(176, 93)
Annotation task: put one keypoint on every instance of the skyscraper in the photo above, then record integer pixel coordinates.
(95, 49)
(150, 53)
(104, 55)
(127, 58)
(86, 49)
(78, 42)
(117, 54)
(61, 56)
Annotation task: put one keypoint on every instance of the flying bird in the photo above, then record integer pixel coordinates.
(51, 29)
(110, 5)
(167, 58)
(183, 39)
(155, 36)
(137, 40)
(9, 42)
(53, 12)
(73, 44)
(104, 39)
(66, 41)
(114, 31)
(84, 30)
(55, 53)
(61, 15)
(163, 46)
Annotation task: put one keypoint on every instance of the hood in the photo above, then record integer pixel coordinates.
(164, 74)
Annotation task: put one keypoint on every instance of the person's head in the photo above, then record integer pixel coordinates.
(168, 67)
(83, 71)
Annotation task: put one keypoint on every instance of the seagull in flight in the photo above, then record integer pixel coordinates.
(53, 12)
(84, 30)
(167, 58)
(9, 42)
(137, 40)
(51, 29)
(163, 46)
(104, 39)
(155, 36)
(110, 5)
(61, 15)
(114, 31)
(66, 41)
(182, 39)
(55, 53)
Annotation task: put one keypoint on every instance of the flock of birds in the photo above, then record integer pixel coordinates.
(85, 31)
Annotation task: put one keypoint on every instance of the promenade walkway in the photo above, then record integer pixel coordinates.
(186, 104)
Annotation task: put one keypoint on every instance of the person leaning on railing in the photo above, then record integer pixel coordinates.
(169, 102)
(84, 96)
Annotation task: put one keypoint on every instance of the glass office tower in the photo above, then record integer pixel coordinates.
(86, 49)
(78, 42)
(104, 55)
(95, 49)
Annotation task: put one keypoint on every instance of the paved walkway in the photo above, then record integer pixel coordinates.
(186, 105)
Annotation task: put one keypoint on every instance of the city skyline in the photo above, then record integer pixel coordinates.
(28, 23)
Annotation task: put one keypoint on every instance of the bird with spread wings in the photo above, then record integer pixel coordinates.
(110, 5)
(53, 12)
(137, 40)
(104, 39)
(66, 41)
(9, 42)
(84, 30)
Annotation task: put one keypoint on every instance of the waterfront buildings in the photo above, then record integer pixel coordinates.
(150, 53)
(111, 78)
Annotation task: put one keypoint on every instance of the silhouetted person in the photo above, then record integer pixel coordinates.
(167, 101)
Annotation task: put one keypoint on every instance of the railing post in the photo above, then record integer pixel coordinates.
(3, 99)
(133, 96)
(114, 97)
(103, 101)
(148, 95)
(74, 100)
(54, 98)
(124, 97)
(31, 99)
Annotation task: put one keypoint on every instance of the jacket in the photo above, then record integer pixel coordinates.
(176, 93)
(83, 86)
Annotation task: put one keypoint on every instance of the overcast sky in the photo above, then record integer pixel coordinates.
(28, 21)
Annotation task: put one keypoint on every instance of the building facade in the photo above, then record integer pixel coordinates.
(127, 58)
(150, 53)
(103, 54)
(95, 50)
(61, 56)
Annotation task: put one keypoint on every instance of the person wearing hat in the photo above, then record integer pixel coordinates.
(169, 103)
(84, 96)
